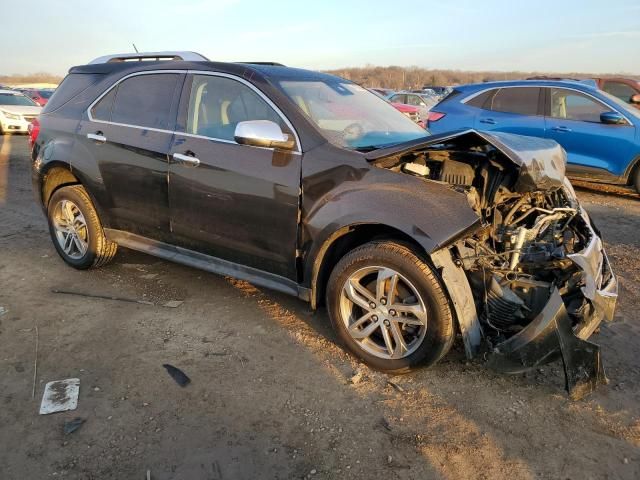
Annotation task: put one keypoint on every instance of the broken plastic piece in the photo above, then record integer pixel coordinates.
(73, 425)
(547, 337)
(178, 375)
(60, 396)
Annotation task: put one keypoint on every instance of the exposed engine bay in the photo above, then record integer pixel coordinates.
(533, 246)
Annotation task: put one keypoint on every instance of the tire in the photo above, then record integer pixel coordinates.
(429, 333)
(89, 248)
(636, 179)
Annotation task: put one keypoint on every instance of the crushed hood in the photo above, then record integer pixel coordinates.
(541, 162)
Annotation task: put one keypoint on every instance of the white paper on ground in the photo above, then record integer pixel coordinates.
(60, 396)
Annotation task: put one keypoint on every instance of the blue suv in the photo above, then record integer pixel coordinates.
(600, 133)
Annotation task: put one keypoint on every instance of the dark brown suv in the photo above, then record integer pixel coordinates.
(309, 184)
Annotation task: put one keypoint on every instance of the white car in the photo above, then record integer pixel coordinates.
(17, 111)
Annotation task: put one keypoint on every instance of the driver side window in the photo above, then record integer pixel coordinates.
(573, 105)
(218, 104)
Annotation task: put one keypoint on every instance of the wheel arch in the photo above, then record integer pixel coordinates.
(54, 176)
(342, 241)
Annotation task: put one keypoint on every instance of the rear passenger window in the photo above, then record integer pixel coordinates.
(144, 101)
(218, 104)
(522, 101)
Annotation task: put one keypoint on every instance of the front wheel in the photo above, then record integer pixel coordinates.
(76, 230)
(389, 308)
(636, 179)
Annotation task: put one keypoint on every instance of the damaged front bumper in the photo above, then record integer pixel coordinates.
(551, 334)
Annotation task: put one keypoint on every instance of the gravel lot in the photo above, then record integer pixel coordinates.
(272, 396)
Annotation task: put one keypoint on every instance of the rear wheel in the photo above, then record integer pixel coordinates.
(636, 179)
(76, 230)
(389, 308)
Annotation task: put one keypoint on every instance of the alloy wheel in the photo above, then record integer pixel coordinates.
(71, 229)
(383, 312)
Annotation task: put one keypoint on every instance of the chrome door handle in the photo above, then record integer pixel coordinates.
(186, 160)
(561, 129)
(97, 137)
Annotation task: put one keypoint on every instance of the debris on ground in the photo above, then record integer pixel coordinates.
(73, 425)
(173, 303)
(178, 375)
(60, 396)
(3, 310)
(103, 297)
(395, 386)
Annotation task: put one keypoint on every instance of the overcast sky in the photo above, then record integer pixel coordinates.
(560, 35)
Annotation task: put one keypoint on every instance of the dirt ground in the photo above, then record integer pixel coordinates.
(272, 396)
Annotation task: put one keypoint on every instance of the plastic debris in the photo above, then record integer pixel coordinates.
(60, 396)
(73, 425)
(173, 303)
(178, 375)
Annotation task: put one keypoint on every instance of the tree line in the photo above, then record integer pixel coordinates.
(399, 78)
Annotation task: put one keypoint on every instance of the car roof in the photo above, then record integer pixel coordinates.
(12, 92)
(272, 71)
(529, 83)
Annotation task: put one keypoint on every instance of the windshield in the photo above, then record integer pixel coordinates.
(45, 93)
(16, 99)
(350, 116)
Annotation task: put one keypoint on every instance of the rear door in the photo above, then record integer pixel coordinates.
(594, 149)
(236, 202)
(512, 110)
(128, 133)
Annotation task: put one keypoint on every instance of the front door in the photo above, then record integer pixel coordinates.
(231, 201)
(128, 133)
(595, 150)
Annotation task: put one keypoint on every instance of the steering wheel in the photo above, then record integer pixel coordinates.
(353, 131)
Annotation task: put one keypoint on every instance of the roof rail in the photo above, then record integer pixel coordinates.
(269, 64)
(140, 56)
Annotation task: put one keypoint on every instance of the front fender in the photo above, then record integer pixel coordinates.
(430, 213)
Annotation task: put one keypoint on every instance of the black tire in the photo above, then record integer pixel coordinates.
(636, 179)
(440, 331)
(99, 250)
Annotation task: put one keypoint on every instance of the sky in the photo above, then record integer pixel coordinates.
(561, 35)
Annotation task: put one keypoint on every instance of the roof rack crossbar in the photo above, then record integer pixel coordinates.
(140, 56)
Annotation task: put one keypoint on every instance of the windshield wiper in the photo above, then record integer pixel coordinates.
(367, 148)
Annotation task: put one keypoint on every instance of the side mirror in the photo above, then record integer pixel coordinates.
(263, 133)
(612, 118)
(635, 99)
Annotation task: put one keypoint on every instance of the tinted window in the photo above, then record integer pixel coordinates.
(481, 100)
(218, 104)
(573, 105)
(621, 90)
(102, 109)
(145, 100)
(523, 101)
(72, 85)
(397, 99)
(16, 99)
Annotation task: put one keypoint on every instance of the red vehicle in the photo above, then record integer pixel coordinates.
(626, 89)
(410, 111)
(41, 97)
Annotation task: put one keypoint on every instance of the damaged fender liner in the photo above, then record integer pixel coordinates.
(548, 336)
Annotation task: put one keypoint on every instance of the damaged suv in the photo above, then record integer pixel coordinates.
(309, 184)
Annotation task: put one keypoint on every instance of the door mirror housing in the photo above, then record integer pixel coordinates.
(635, 99)
(263, 133)
(612, 118)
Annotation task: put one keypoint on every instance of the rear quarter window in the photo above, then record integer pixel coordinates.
(72, 85)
